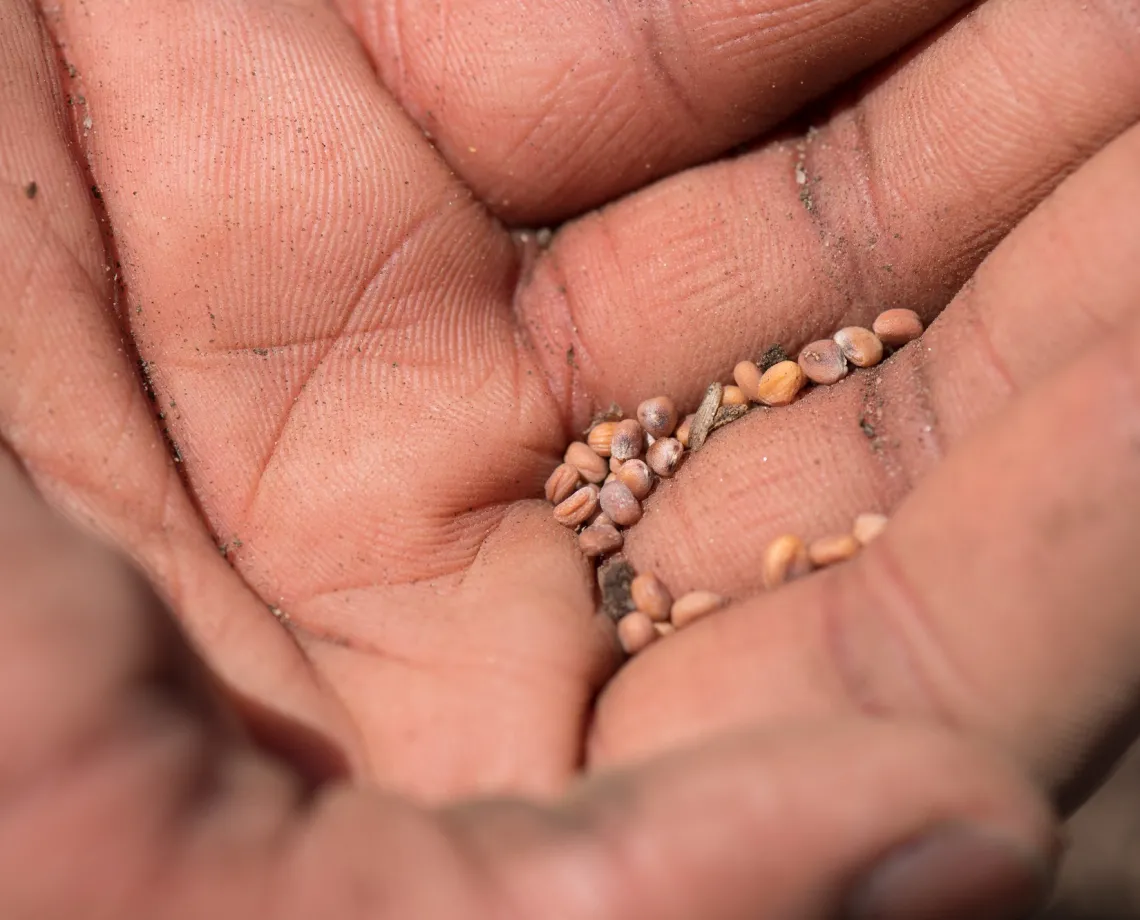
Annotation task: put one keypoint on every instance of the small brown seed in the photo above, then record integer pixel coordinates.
(636, 476)
(578, 507)
(665, 456)
(705, 416)
(747, 376)
(733, 396)
(562, 482)
(784, 558)
(831, 549)
(615, 464)
(868, 527)
(636, 632)
(658, 416)
(600, 437)
(628, 440)
(682, 432)
(664, 630)
(692, 606)
(586, 460)
(651, 597)
(600, 539)
(823, 362)
(897, 327)
(601, 519)
(781, 384)
(618, 502)
(859, 346)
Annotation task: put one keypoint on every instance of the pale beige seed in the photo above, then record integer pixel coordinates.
(637, 477)
(665, 456)
(578, 508)
(618, 502)
(664, 630)
(600, 437)
(586, 460)
(692, 606)
(682, 432)
(823, 362)
(636, 632)
(562, 483)
(859, 346)
(833, 548)
(747, 376)
(611, 477)
(868, 527)
(658, 416)
(600, 539)
(781, 384)
(897, 327)
(784, 558)
(628, 440)
(651, 597)
(733, 396)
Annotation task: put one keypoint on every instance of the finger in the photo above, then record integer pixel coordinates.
(546, 113)
(904, 192)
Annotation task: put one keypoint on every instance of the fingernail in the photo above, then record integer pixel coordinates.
(953, 872)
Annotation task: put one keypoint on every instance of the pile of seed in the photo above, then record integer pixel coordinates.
(603, 480)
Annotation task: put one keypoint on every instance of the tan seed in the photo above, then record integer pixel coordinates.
(615, 464)
(562, 483)
(868, 527)
(834, 548)
(651, 597)
(859, 346)
(784, 558)
(600, 437)
(636, 632)
(665, 456)
(637, 477)
(618, 502)
(600, 539)
(733, 396)
(601, 519)
(664, 630)
(578, 508)
(682, 432)
(747, 376)
(823, 362)
(692, 606)
(586, 460)
(781, 384)
(612, 477)
(628, 440)
(897, 327)
(658, 416)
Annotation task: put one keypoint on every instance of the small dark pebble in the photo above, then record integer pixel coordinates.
(98, 194)
(773, 356)
(868, 429)
(31, 189)
(614, 579)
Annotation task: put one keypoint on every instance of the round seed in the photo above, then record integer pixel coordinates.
(784, 558)
(618, 502)
(600, 437)
(665, 456)
(733, 396)
(600, 539)
(781, 384)
(747, 377)
(823, 362)
(692, 606)
(628, 440)
(832, 549)
(637, 477)
(658, 416)
(583, 457)
(682, 432)
(868, 526)
(651, 597)
(562, 482)
(636, 632)
(897, 327)
(578, 507)
(859, 346)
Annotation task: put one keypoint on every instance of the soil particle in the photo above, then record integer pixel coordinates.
(614, 579)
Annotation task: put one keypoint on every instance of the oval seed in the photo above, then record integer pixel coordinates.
(784, 558)
(834, 548)
(665, 456)
(615, 464)
(859, 346)
(600, 437)
(682, 432)
(781, 384)
(868, 526)
(692, 606)
(562, 483)
(636, 632)
(600, 539)
(586, 460)
(733, 396)
(651, 597)
(897, 327)
(628, 440)
(747, 376)
(637, 477)
(658, 416)
(823, 362)
(618, 503)
(664, 630)
(578, 507)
